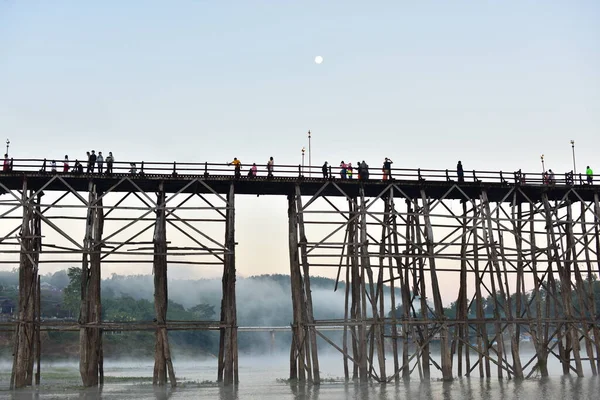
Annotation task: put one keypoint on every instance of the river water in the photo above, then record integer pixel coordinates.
(264, 378)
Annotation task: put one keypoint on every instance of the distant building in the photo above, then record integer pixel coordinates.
(7, 306)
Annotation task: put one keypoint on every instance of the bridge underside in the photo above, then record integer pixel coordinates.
(518, 262)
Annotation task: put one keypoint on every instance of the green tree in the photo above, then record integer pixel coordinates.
(72, 292)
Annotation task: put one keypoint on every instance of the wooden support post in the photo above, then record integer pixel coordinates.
(162, 351)
(554, 258)
(597, 270)
(420, 287)
(539, 335)
(392, 240)
(358, 310)
(571, 268)
(404, 275)
(377, 329)
(38, 341)
(462, 330)
(228, 345)
(22, 372)
(297, 357)
(312, 336)
(591, 296)
(482, 337)
(90, 338)
(437, 298)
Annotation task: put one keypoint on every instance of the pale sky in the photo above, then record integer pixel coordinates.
(494, 84)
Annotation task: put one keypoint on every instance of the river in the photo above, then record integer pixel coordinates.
(265, 378)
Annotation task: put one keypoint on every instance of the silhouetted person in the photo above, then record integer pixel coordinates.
(6, 166)
(109, 163)
(590, 175)
(324, 169)
(133, 169)
(459, 172)
(91, 162)
(66, 164)
(364, 170)
(551, 177)
(100, 161)
(78, 168)
(387, 169)
(343, 170)
(53, 166)
(270, 168)
(43, 169)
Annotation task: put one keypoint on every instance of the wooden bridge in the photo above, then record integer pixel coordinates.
(509, 243)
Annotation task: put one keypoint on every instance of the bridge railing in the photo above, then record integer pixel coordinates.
(137, 168)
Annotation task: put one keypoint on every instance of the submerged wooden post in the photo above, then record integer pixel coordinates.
(162, 351)
(312, 335)
(228, 357)
(437, 298)
(376, 328)
(297, 357)
(22, 372)
(90, 337)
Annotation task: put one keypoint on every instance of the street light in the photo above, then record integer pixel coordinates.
(303, 160)
(543, 167)
(573, 148)
(309, 160)
(7, 144)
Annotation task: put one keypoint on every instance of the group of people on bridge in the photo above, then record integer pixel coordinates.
(97, 164)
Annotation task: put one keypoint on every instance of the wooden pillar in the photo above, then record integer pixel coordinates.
(228, 346)
(462, 329)
(376, 329)
(591, 296)
(297, 356)
(420, 287)
(359, 369)
(162, 351)
(22, 372)
(437, 299)
(571, 268)
(482, 337)
(554, 258)
(539, 335)
(495, 247)
(312, 335)
(90, 338)
(392, 240)
(359, 330)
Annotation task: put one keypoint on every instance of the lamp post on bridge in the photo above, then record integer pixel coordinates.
(309, 160)
(7, 144)
(573, 149)
(543, 167)
(303, 160)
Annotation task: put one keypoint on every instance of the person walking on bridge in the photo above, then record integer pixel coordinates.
(91, 162)
(6, 166)
(100, 161)
(238, 167)
(459, 172)
(66, 164)
(590, 175)
(364, 174)
(343, 170)
(387, 169)
(324, 169)
(270, 168)
(109, 163)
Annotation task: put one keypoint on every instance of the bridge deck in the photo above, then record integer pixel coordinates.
(122, 182)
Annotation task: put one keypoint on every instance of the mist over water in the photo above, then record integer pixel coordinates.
(263, 377)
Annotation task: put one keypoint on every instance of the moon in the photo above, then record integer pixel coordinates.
(318, 59)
